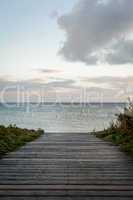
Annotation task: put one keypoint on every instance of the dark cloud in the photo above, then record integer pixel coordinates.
(92, 26)
(121, 53)
(48, 71)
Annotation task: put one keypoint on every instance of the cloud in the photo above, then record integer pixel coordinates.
(61, 84)
(37, 84)
(48, 71)
(36, 88)
(121, 53)
(93, 26)
(110, 88)
(89, 89)
(118, 84)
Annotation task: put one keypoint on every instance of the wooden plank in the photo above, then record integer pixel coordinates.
(68, 187)
(68, 166)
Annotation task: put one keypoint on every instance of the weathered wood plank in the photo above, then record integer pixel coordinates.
(68, 166)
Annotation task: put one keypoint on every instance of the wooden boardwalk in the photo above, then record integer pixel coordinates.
(67, 166)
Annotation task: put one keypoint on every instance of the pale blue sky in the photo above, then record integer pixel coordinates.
(29, 34)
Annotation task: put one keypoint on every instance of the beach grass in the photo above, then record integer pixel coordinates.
(12, 138)
(120, 132)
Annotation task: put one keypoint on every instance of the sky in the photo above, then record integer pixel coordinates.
(66, 50)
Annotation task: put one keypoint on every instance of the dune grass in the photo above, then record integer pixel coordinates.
(121, 132)
(12, 138)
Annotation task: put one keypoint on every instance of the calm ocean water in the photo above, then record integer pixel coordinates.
(61, 117)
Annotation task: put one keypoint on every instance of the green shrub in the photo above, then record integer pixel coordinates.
(121, 132)
(12, 137)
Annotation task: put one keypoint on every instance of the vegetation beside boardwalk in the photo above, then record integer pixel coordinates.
(121, 132)
(12, 137)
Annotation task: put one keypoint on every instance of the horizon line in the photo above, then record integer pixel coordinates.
(52, 102)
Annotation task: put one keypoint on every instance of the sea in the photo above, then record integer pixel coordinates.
(61, 117)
